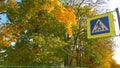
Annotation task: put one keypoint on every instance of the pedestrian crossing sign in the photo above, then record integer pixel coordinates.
(100, 26)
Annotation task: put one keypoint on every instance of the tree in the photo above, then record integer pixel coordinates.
(39, 31)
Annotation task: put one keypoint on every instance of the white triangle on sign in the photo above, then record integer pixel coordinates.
(99, 26)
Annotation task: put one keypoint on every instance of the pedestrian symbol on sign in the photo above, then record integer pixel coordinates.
(99, 26)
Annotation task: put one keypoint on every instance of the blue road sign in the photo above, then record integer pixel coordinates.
(100, 26)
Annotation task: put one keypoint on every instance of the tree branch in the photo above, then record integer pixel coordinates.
(79, 7)
(3, 12)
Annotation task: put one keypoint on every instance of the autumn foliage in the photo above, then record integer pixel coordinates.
(50, 33)
(9, 34)
(62, 14)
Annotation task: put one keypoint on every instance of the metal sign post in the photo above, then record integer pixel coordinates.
(118, 16)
